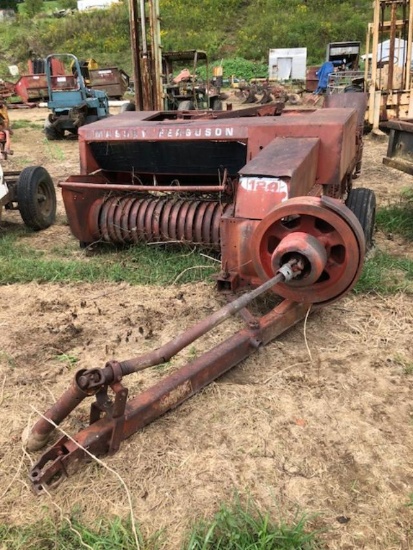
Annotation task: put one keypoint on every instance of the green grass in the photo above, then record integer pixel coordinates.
(73, 535)
(405, 363)
(236, 527)
(54, 151)
(397, 218)
(246, 528)
(386, 274)
(19, 124)
(137, 265)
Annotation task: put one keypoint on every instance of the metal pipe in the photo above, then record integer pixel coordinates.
(70, 399)
(156, 49)
(409, 38)
(88, 382)
(64, 457)
(171, 348)
(138, 188)
(393, 15)
(137, 73)
(143, 29)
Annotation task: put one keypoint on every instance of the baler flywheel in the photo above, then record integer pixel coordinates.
(325, 233)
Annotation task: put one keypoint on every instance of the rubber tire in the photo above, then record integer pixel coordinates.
(51, 132)
(186, 105)
(362, 202)
(33, 182)
(127, 107)
(352, 88)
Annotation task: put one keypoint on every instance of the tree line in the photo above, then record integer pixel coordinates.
(234, 29)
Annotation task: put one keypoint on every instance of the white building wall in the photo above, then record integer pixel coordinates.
(93, 4)
(288, 63)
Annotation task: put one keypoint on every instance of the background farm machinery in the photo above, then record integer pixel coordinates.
(30, 191)
(71, 102)
(268, 192)
(32, 88)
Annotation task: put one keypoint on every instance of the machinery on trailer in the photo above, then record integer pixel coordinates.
(269, 192)
(186, 91)
(72, 104)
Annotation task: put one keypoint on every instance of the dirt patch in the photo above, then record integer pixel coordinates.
(320, 420)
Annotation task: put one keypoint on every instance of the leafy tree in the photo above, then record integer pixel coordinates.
(33, 7)
(68, 4)
(241, 31)
(9, 5)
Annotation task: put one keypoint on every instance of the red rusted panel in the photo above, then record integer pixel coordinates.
(32, 88)
(336, 129)
(111, 80)
(311, 78)
(236, 253)
(286, 168)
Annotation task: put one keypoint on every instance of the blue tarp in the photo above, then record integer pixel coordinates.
(323, 73)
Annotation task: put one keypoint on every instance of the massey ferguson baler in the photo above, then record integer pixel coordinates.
(267, 191)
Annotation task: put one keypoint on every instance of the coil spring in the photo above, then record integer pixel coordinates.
(134, 220)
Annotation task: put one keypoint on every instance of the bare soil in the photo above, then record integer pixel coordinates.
(319, 421)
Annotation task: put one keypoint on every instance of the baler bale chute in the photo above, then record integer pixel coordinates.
(267, 191)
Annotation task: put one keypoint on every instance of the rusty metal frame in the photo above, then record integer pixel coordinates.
(112, 421)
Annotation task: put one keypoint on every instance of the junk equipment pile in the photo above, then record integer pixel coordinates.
(264, 186)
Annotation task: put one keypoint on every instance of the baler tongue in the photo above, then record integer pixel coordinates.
(297, 265)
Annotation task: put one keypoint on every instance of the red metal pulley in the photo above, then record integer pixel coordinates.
(321, 232)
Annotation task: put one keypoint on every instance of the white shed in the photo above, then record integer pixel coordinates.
(94, 4)
(288, 63)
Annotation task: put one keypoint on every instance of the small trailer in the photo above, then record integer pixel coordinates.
(32, 192)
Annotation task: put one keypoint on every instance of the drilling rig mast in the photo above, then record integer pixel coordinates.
(146, 53)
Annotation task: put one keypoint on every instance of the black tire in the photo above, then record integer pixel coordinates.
(52, 133)
(36, 197)
(353, 88)
(186, 105)
(127, 107)
(362, 202)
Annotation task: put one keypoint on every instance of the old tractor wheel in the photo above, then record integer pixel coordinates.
(321, 232)
(130, 106)
(36, 198)
(362, 202)
(52, 132)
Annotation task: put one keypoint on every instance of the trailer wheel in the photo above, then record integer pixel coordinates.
(362, 202)
(127, 107)
(186, 105)
(353, 88)
(52, 133)
(36, 197)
